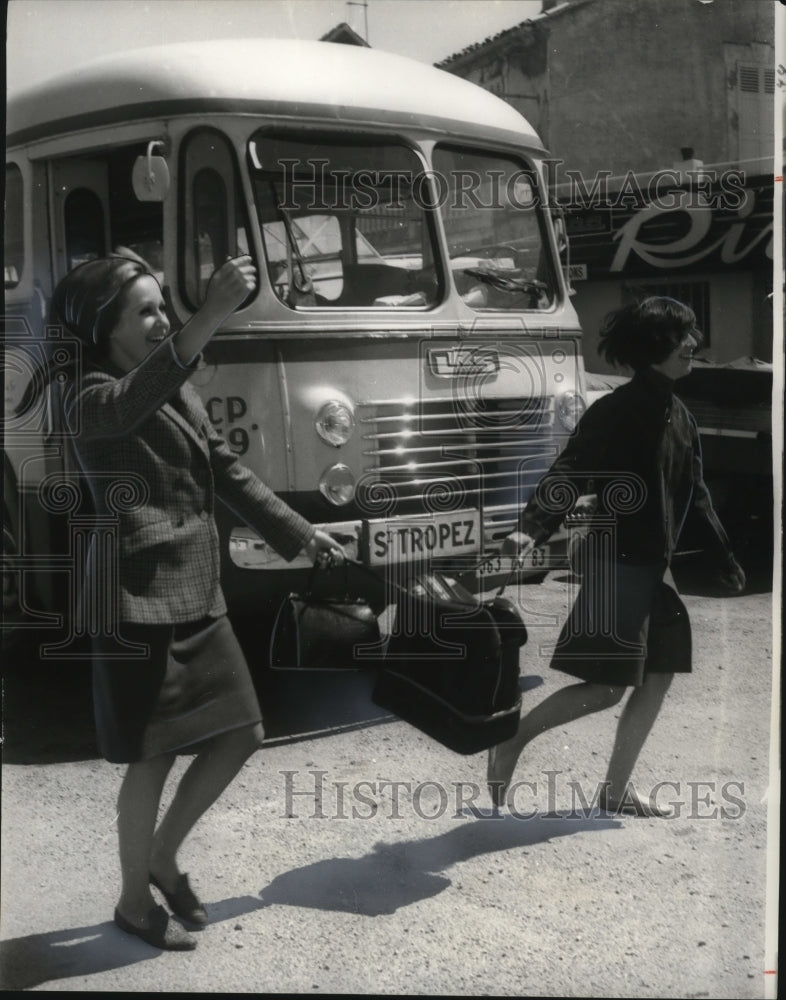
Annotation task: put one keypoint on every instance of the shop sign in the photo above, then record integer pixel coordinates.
(694, 237)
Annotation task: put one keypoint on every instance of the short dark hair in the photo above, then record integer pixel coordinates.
(645, 333)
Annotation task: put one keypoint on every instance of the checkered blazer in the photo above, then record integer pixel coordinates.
(150, 423)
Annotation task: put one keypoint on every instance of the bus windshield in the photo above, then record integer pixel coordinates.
(494, 230)
(344, 222)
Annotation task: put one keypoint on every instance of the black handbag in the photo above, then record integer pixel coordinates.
(452, 665)
(325, 631)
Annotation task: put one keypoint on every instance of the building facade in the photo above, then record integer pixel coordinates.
(660, 119)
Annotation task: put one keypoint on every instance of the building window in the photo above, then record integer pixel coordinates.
(751, 97)
(695, 294)
(755, 110)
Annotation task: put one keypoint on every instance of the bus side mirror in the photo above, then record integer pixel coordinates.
(150, 176)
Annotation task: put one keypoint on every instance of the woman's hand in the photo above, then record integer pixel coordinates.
(324, 551)
(585, 506)
(231, 285)
(732, 577)
(517, 545)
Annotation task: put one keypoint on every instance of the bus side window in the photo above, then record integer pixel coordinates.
(83, 216)
(135, 225)
(214, 220)
(211, 224)
(95, 211)
(79, 210)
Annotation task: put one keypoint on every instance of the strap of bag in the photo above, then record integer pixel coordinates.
(507, 579)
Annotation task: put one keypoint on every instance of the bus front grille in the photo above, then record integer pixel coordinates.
(440, 455)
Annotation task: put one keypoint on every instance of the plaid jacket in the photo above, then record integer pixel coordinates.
(150, 423)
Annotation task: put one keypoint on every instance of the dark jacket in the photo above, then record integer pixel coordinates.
(638, 449)
(156, 465)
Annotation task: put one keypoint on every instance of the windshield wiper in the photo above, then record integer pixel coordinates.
(301, 288)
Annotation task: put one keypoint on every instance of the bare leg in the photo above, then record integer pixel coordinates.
(207, 776)
(563, 706)
(635, 724)
(137, 805)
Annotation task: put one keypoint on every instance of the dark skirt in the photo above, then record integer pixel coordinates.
(192, 684)
(626, 621)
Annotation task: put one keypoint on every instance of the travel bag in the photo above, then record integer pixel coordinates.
(329, 629)
(451, 667)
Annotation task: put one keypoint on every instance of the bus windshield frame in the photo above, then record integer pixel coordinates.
(350, 222)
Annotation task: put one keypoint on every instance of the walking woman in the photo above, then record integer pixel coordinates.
(638, 450)
(133, 412)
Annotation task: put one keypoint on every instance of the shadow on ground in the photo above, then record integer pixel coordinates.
(387, 878)
(395, 875)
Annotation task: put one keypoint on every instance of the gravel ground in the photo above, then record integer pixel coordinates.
(403, 889)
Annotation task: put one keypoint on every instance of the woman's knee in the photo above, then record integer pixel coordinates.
(256, 736)
(151, 768)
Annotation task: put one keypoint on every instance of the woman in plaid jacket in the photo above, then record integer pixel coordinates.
(134, 413)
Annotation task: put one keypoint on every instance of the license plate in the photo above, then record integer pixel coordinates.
(496, 565)
(396, 540)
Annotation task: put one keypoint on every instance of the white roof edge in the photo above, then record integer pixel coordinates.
(289, 71)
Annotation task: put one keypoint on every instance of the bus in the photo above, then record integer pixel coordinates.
(410, 362)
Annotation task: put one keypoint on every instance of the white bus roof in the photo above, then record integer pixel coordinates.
(319, 80)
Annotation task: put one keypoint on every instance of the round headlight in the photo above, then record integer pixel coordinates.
(337, 484)
(570, 407)
(335, 423)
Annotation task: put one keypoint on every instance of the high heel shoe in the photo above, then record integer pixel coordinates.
(161, 932)
(182, 901)
(499, 774)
